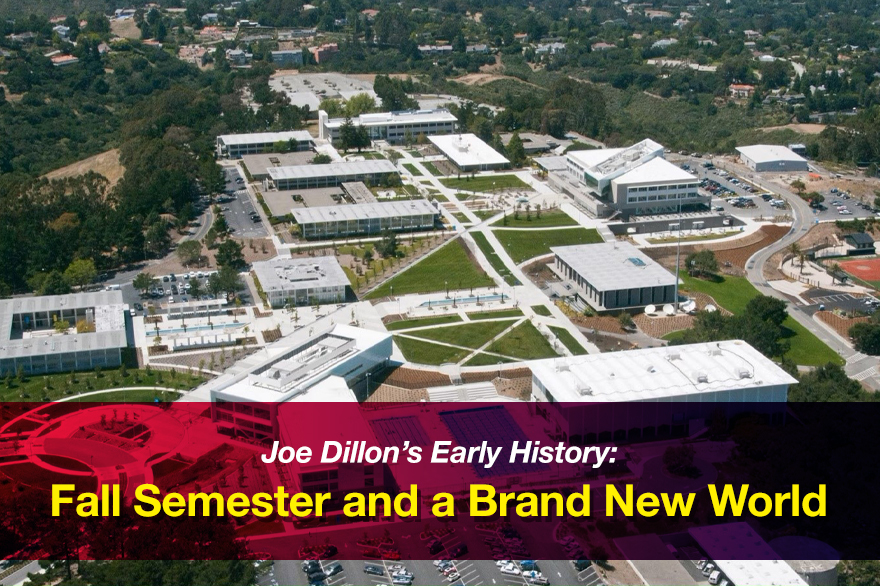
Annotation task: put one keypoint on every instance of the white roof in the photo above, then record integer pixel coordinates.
(340, 168)
(264, 137)
(657, 169)
(652, 374)
(755, 563)
(467, 150)
(592, 157)
(610, 266)
(765, 153)
(388, 209)
(108, 316)
(301, 99)
(285, 273)
(299, 364)
(390, 118)
(604, 163)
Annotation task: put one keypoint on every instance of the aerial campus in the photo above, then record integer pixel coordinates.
(224, 215)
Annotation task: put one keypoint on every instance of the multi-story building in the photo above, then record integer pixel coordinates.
(636, 180)
(330, 174)
(614, 275)
(656, 392)
(366, 218)
(395, 127)
(236, 145)
(301, 281)
(288, 58)
(61, 333)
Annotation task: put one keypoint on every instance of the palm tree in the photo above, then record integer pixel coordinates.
(794, 250)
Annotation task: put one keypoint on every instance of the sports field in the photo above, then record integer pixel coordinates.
(866, 269)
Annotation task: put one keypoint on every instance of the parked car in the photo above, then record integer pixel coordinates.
(333, 569)
(374, 570)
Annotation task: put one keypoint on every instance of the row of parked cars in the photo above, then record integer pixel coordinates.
(528, 569)
(316, 574)
(506, 543)
(399, 574)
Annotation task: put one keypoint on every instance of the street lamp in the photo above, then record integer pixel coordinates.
(447, 288)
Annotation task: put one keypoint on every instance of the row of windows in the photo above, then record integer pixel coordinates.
(661, 187)
(641, 198)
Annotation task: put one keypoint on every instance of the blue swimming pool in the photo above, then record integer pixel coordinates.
(473, 299)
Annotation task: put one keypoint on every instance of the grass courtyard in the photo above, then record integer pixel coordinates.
(428, 353)
(733, 293)
(65, 385)
(471, 335)
(412, 169)
(524, 342)
(522, 245)
(568, 340)
(422, 322)
(548, 219)
(484, 183)
(493, 259)
(451, 264)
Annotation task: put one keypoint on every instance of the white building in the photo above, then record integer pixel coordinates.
(366, 218)
(333, 366)
(656, 392)
(614, 275)
(301, 281)
(394, 127)
(771, 157)
(29, 339)
(743, 557)
(636, 180)
(236, 145)
(469, 152)
(330, 174)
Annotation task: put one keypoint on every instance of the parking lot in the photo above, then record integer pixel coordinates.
(829, 300)
(238, 208)
(166, 289)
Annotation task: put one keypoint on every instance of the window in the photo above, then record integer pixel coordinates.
(368, 482)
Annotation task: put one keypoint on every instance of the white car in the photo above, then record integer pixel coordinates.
(502, 563)
(511, 570)
(453, 577)
(170, 299)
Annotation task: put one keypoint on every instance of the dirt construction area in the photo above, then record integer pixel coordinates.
(106, 164)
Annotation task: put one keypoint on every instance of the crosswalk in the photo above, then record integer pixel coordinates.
(865, 374)
(857, 357)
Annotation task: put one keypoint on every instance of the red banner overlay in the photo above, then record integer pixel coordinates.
(394, 481)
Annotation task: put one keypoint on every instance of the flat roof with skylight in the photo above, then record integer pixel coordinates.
(707, 372)
(341, 169)
(284, 273)
(388, 209)
(265, 137)
(610, 266)
(468, 151)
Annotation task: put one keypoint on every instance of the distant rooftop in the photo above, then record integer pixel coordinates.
(753, 562)
(651, 374)
(264, 137)
(388, 209)
(341, 168)
(467, 150)
(610, 266)
(108, 319)
(763, 153)
(657, 169)
(401, 117)
(284, 273)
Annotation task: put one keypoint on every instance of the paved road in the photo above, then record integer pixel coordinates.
(857, 364)
(18, 576)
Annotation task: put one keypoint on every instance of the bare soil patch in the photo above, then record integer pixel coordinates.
(106, 164)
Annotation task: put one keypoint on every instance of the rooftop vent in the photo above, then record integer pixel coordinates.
(651, 369)
(701, 377)
(674, 356)
(742, 372)
(586, 391)
(715, 352)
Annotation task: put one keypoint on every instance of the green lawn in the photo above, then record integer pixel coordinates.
(59, 385)
(450, 263)
(420, 322)
(461, 217)
(461, 196)
(467, 335)
(482, 359)
(568, 340)
(415, 154)
(495, 314)
(548, 219)
(524, 342)
(412, 169)
(428, 353)
(492, 256)
(137, 396)
(486, 214)
(373, 156)
(541, 310)
(522, 245)
(733, 293)
(433, 170)
(484, 182)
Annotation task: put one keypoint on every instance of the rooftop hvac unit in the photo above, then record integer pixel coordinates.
(585, 391)
(742, 372)
(673, 356)
(701, 377)
(716, 352)
(562, 366)
(651, 369)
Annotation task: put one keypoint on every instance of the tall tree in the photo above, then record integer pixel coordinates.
(80, 272)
